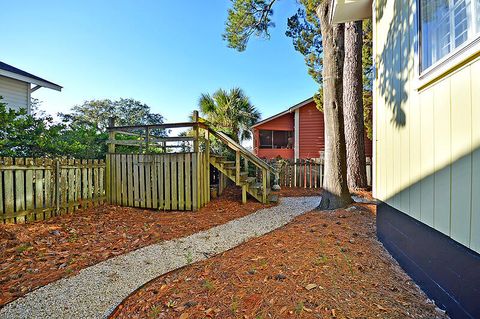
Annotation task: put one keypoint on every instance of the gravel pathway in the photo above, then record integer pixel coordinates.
(95, 291)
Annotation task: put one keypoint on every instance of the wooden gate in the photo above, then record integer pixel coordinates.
(170, 181)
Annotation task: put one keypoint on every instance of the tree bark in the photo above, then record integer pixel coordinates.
(335, 187)
(353, 106)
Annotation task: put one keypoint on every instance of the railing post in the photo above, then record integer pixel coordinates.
(195, 131)
(111, 135)
(237, 167)
(264, 185)
(207, 158)
(147, 139)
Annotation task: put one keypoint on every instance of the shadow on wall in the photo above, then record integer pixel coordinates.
(394, 61)
(420, 235)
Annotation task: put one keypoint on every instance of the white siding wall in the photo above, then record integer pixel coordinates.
(14, 93)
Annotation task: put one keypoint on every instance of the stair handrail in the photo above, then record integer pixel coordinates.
(237, 147)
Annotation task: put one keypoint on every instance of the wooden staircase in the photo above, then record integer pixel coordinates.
(256, 184)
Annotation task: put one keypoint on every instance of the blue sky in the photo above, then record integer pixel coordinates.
(163, 53)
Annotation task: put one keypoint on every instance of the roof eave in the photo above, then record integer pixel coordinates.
(350, 10)
(27, 79)
(289, 110)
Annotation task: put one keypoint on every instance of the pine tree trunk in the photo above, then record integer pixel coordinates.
(335, 187)
(353, 106)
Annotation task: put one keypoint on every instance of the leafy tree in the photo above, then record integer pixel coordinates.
(230, 112)
(37, 135)
(247, 18)
(23, 135)
(125, 111)
(252, 17)
(304, 29)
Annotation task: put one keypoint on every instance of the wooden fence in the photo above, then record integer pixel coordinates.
(36, 189)
(170, 181)
(307, 173)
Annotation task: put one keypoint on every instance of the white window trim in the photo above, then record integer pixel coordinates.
(446, 64)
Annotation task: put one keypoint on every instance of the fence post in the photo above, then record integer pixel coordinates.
(57, 186)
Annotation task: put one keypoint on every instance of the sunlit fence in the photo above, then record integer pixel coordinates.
(307, 173)
(39, 188)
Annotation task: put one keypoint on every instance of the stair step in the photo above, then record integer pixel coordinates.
(232, 168)
(227, 162)
(243, 173)
(255, 186)
(249, 179)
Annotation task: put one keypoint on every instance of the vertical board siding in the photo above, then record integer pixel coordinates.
(428, 163)
(37, 189)
(442, 157)
(427, 156)
(475, 224)
(175, 181)
(462, 158)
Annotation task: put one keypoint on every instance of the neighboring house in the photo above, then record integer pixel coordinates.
(16, 86)
(296, 133)
(427, 141)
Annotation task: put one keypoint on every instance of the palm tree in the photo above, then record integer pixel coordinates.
(231, 112)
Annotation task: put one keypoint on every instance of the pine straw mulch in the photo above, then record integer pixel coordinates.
(322, 265)
(298, 191)
(33, 255)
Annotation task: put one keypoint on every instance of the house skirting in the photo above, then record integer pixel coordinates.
(449, 273)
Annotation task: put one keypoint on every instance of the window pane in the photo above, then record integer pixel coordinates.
(445, 25)
(265, 139)
(477, 13)
(282, 139)
(461, 21)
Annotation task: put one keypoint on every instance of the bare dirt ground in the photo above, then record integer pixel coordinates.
(33, 255)
(322, 265)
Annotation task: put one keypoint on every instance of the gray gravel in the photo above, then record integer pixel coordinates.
(95, 291)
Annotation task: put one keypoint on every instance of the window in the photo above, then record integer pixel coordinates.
(276, 139)
(445, 26)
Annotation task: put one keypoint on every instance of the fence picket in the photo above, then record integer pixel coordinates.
(188, 182)
(29, 198)
(130, 198)
(49, 199)
(123, 158)
(136, 181)
(174, 178)
(71, 186)
(20, 190)
(141, 171)
(167, 163)
(181, 182)
(154, 184)
(160, 174)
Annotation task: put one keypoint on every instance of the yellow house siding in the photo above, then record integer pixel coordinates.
(461, 164)
(429, 166)
(475, 122)
(403, 84)
(413, 124)
(442, 156)
(426, 161)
